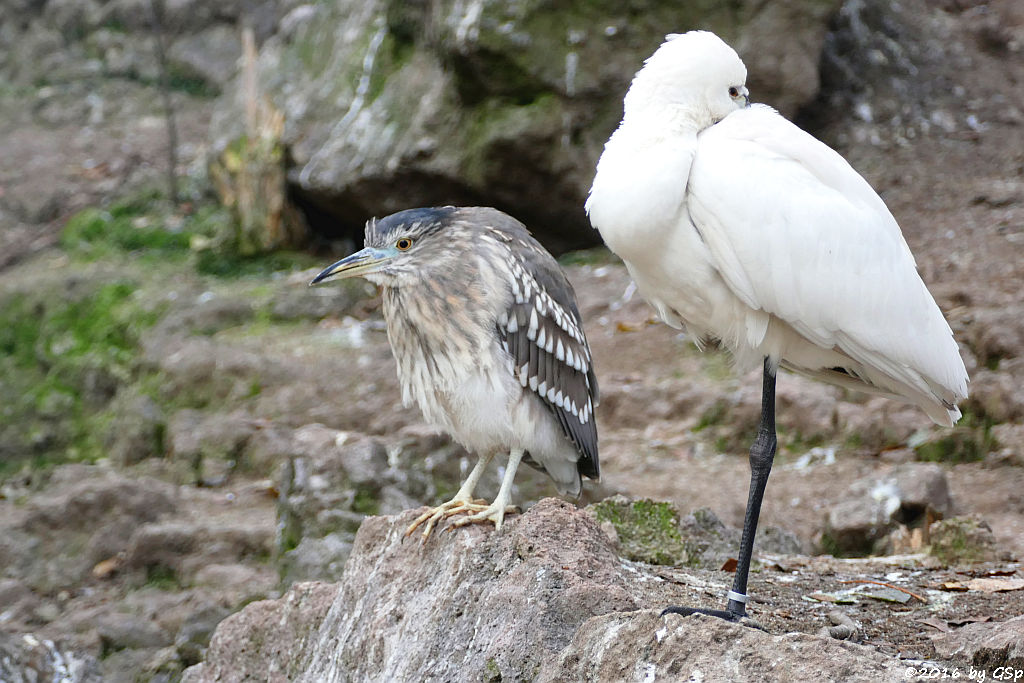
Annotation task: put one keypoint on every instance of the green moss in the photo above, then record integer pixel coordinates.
(797, 442)
(962, 540)
(161, 577)
(365, 502)
(62, 357)
(227, 265)
(492, 670)
(115, 25)
(180, 78)
(144, 226)
(495, 124)
(830, 546)
(173, 393)
(391, 56)
(598, 256)
(648, 530)
(716, 414)
(289, 533)
(91, 229)
(960, 444)
(128, 226)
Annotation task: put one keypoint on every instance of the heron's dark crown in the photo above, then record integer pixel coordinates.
(410, 223)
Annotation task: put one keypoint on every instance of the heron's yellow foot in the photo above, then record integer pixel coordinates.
(453, 507)
(495, 512)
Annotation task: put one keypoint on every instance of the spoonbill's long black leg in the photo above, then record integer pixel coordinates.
(762, 455)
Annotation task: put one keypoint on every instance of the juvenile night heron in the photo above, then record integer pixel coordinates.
(746, 230)
(489, 343)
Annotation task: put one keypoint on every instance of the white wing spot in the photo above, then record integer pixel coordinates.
(531, 332)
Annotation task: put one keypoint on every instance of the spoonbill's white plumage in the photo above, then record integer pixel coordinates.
(741, 227)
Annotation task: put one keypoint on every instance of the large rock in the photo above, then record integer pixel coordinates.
(641, 646)
(115, 38)
(331, 480)
(546, 598)
(986, 645)
(175, 551)
(276, 628)
(390, 105)
(86, 516)
(909, 495)
(964, 540)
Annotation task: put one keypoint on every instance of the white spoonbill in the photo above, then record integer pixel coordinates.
(742, 228)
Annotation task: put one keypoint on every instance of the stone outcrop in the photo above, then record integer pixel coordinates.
(985, 645)
(909, 495)
(546, 598)
(390, 104)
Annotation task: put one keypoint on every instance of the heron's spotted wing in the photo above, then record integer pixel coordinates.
(543, 333)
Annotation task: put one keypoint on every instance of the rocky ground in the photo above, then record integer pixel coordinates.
(550, 598)
(132, 565)
(230, 429)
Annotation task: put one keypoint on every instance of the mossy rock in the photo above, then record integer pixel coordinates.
(960, 444)
(66, 347)
(648, 530)
(494, 103)
(962, 540)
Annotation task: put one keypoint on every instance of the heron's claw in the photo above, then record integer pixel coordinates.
(453, 507)
(494, 512)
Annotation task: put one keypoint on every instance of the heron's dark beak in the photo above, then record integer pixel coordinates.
(366, 261)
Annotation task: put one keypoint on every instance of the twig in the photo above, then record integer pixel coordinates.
(156, 9)
(888, 585)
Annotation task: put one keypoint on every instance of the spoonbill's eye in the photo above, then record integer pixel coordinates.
(734, 92)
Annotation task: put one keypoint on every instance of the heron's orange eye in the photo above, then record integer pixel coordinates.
(404, 244)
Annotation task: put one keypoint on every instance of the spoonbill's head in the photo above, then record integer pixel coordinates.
(694, 76)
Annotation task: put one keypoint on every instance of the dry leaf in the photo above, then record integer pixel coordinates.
(730, 565)
(956, 623)
(936, 624)
(952, 586)
(107, 567)
(996, 584)
(837, 598)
